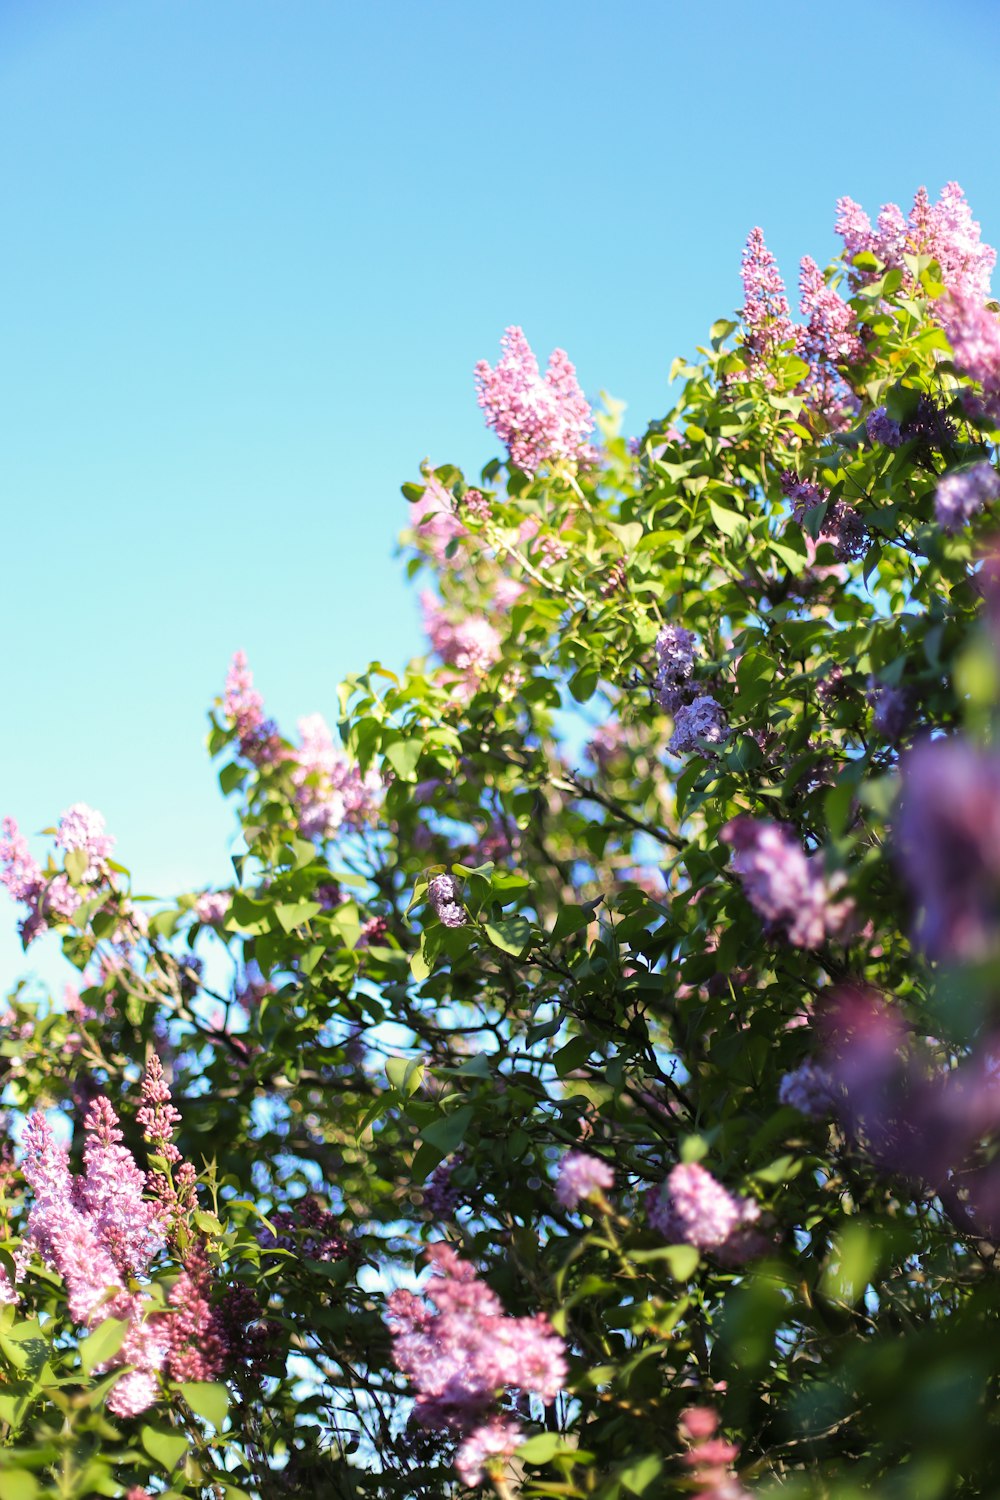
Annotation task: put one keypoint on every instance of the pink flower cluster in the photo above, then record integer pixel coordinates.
(710, 1457)
(581, 1176)
(211, 908)
(51, 897)
(442, 893)
(830, 331)
(945, 230)
(786, 887)
(471, 645)
(434, 521)
(331, 791)
(100, 1234)
(765, 312)
(243, 706)
(974, 334)
(462, 1351)
(693, 1208)
(541, 421)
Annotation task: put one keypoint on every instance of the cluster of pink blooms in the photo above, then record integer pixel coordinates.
(442, 893)
(674, 666)
(945, 230)
(52, 898)
(974, 334)
(471, 644)
(948, 845)
(581, 1176)
(698, 726)
(786, 887)
(693, 1208)
(540, 421)
(765, 312)
(243, 706)
(308, 1229)
(101, 1233)
(963, 494)
(212, 907)
(842, 527)
(830, 331)
(331, 792)
(462, 1351)
(434, 520)
(710, 1458)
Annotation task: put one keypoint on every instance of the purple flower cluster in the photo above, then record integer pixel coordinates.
(212, 907)
(307, 1229)
(697, 726)
(946, 231)
(581, 1176)
(100, 1234)
(541, 421)
(51, 897)
(674, 666)
(891, 710)
(331, 791)
(766, 319)
(974, 334)
(442, 893)
(963, 493)
(462, 1351)
(441, 1196)
(842, 527)
(830, 333)
(785, 886)
(810, 1089)
(693, 1208)
(948, 845)
(243, 707)
(471, 645)
(881, 428)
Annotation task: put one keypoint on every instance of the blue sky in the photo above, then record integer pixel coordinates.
(251, 252)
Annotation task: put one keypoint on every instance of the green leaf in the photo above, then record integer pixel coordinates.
(207, 1223)
(103, 1343)
(208, 1399)
(17, 1484)
(76, 864)
(512, 935)
(538, 1450)
(164, 1445)
(292, 914)
(639, 1476)
(447, 1134)
(681, 1260)
(573, 1055)
(728, 521)
(403, 756)
(405, 1074)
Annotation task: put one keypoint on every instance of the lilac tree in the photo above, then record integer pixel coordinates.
(589, 1083)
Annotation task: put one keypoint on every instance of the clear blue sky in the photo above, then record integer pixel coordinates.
(251, 251)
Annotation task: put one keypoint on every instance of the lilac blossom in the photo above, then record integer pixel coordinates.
(948, 845)
(82, 828)
(541, 421)
(674, 666)
(477, 505)
(462, 1351)
(498, 1437)
(810, 1089)
(434, 520)
(830, 332)
(891, 709)
(243, 706)
(842, 527)
(212, 907)
(49, 899)
(442, 893)
(581, 1176)
(697, 725)
(765, 306)
(945, 231)
(441, 1196)
(331, 791)
(881, 428)
(786, 887)
(472, 645)
(974, 334)
(962, 494)
(693, 1208)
